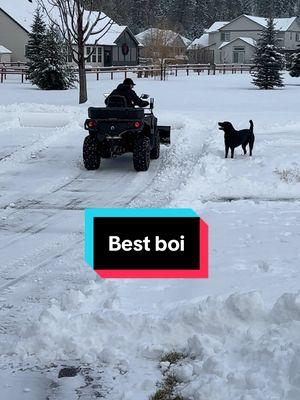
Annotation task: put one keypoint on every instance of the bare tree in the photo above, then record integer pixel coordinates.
(163, 45)
(78, 24)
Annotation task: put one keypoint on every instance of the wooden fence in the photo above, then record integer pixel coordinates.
(150, 71)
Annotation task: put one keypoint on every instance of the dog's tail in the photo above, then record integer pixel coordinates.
(251, 126)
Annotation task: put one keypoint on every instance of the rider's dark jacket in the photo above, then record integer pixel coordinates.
(130, 96)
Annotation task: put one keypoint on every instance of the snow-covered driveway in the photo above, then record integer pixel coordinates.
(52, 315)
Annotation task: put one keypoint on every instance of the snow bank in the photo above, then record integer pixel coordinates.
(237, 348)
(273, 172)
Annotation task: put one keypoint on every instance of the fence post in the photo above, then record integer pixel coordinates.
(1, 77)
(112, 75)
(125, 73)
(176, 70)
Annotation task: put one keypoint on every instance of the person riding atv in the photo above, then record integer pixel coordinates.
(125, 90)
(125, 125)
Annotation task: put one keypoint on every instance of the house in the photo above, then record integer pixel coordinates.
(234, 42)
(5, 55)
(154, 39)
(117, 47)
(14, 27)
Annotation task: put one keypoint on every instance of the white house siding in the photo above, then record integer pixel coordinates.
(13, 37)
(227, 52)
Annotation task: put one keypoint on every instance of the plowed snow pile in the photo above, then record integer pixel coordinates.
(236, 348)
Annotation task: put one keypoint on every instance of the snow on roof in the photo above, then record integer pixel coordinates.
(250, 41)
(22, 12)
(202, 41)
(110, 37)
(170, 35)
(216, 26)
(281, 24)
(4, 50)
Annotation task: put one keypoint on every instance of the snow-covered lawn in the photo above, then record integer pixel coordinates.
(239, 330)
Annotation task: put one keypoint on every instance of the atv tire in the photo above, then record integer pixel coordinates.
(141, 153)
(91, 155)
(155, 152)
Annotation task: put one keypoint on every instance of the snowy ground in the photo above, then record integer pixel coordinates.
(240, 330)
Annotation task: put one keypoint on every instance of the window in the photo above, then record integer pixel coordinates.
(88, 51)
(99, 54)
(291, 35)
(94, 56)
(297, 37)
(225, 36)
(26, 50)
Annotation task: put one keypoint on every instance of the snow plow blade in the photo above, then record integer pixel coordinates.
(165, 135)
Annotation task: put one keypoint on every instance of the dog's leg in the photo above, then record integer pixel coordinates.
(244, 148)
(251, 144)
(226, 151)
(232, 152)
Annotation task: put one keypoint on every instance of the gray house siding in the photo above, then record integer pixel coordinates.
(132, 58)
(237, 52)
(13, 36)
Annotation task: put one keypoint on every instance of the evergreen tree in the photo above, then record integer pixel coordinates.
(295, 65)
(52, 71)
(268, 60)
(35, 43)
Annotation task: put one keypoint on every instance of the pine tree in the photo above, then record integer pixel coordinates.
(295, 65)
(268, 60)
(52, 71)
(35, 43)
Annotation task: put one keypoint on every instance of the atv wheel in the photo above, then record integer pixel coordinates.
(91, 156)
(155, 152)
(141, 153)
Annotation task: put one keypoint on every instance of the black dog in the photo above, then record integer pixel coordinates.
(235, 138)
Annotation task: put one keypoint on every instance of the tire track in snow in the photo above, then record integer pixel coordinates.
(39, 265)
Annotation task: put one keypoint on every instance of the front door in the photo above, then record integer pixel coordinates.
(107, 57)
(239, 55)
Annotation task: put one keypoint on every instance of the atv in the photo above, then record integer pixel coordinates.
(118, 129)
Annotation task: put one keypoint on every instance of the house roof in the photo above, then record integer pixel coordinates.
(202, 41)
(4, 50)
(247, 40)
(281, 24)
(171, 35)
(216, 26)
(22, 12)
